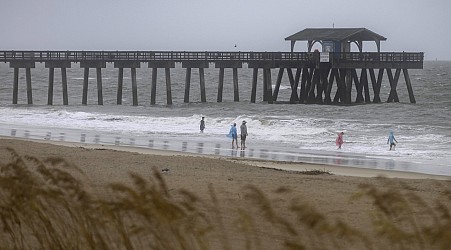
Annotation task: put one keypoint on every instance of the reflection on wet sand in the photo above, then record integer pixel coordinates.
(223, 149)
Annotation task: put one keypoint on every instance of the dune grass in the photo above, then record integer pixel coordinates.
(47, 205)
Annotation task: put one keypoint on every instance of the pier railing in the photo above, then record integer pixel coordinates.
(209, 56)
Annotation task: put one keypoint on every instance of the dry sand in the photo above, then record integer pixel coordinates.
(329, 194)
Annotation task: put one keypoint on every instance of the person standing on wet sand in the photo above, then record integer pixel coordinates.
(233, 133)
(243, 131)
(202, 125)
(392, 140)
(339, 141)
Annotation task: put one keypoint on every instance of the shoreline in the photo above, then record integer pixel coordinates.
(288, 166)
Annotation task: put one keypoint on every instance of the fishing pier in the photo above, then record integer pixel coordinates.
(313, 76)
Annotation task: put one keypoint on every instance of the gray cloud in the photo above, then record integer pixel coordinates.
(217, 25)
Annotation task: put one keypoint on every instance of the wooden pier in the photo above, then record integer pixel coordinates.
(312, 75)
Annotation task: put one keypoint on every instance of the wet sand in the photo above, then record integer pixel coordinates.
(229, 176)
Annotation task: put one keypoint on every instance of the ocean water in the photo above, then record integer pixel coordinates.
(289, 132)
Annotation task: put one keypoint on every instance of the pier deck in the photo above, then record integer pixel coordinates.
(315, 72)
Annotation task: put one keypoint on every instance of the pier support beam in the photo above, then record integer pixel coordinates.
(409, 85)
(98, 65)
(201, 65)
(28, 65)
(254, 84)
(393, 97)
(234, 65)
(132, 65)
(50, 91)
(167, 65)
(51, 65)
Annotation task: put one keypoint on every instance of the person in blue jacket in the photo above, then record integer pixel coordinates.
(392, 140)
(234, 135)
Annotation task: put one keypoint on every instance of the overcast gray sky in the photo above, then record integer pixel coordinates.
(199, 25)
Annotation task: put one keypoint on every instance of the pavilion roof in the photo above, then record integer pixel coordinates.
(336, 34)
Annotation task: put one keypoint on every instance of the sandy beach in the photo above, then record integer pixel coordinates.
(331, 194)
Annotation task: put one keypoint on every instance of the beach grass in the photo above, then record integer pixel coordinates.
(49, 204)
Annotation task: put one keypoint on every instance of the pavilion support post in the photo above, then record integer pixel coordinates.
(64, 83)
(50, 90)
(265, 88)
(134, 87)
(84, 99)
(203, 95)
(376, 83)
(364, 82)
(340, 95)
(303, 92)
(269, 86)
(120, 83)
(294, 82)
(99, 86)
(187, 85)
(393, 97)
(29, 88)
(254, 85)
(348, 85)
(221, 84)
(328, 89)
(16, 85)
(324, 73)
(278, 82)
(358, 86)
(236, 93)
(153, 89)
(409, 85)
(313, 83)
(168, 86)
